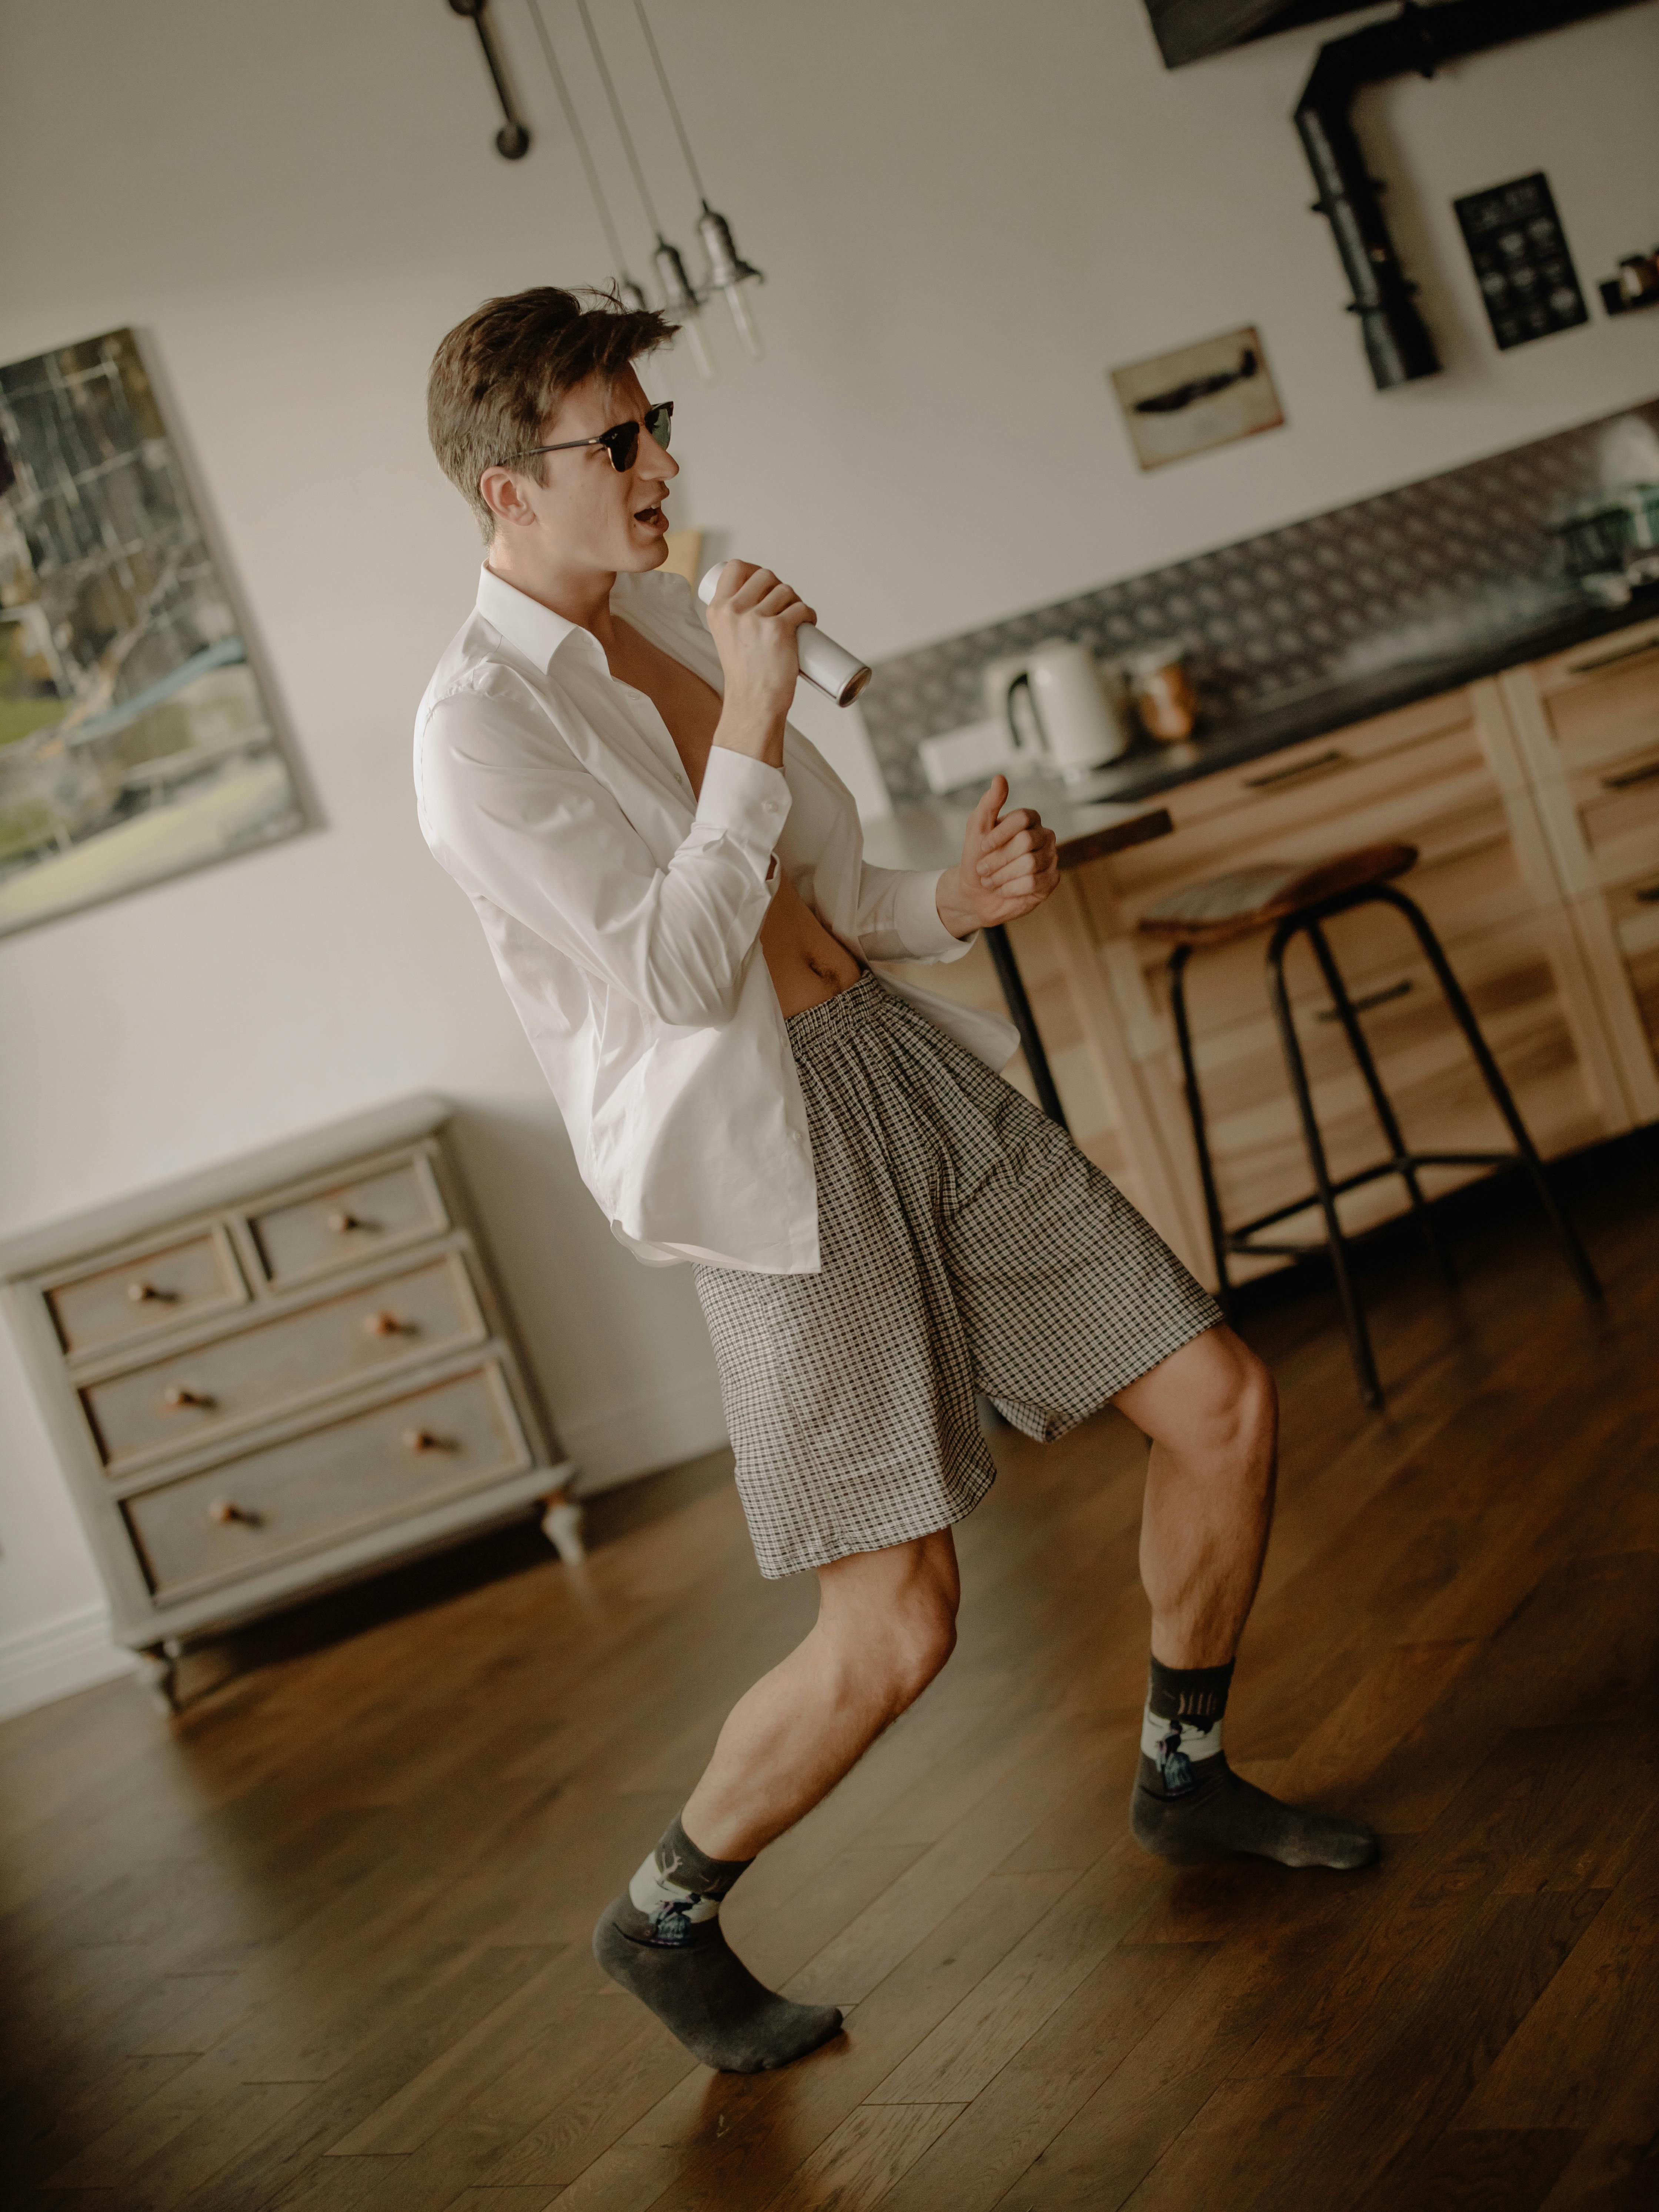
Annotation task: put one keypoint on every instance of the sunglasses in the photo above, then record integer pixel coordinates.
(620, 441)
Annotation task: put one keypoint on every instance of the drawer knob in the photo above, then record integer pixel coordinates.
(340, 1221)
(181, 1394)
(425, 1440)
(225, 1511)
(141, 1293)
(387, 1324)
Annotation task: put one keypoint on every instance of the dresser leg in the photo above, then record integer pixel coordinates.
(158, 1670)
(562, 1525)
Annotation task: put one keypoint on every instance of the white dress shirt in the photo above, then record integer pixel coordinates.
(623, 914)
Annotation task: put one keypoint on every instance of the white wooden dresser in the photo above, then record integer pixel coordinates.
(283, 1372)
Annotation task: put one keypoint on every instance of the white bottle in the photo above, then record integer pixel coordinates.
(840, 674)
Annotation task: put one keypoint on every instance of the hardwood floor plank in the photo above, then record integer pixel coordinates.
(1117, 2136)
(1554, 2070)
(426, 2026)
(1010, 1800)
(978, 2039)
(1616, 2167)
(1219, 2156)
(854, 2169)
(1506, 2170)
(1386, 2121)
(1019, 2113)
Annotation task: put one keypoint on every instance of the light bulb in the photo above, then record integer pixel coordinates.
(681, 299)
(727, 273)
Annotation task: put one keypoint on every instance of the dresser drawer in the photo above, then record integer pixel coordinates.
(395, 1458)
(340, 1223)
(185, 1397)
(185, 1278)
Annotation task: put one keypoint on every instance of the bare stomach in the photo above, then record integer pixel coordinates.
(807, 965)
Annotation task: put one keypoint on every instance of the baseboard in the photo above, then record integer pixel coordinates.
(644, 1434)
(56, 1658)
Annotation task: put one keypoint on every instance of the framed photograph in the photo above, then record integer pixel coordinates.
(1204, 395)
(136, 741)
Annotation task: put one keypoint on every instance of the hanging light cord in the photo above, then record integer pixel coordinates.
(576, 132)
(622, 128)
(673, 108)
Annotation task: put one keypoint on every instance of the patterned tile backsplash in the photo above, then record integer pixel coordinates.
(1450, 562)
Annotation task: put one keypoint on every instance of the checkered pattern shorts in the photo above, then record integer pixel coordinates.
(964, 1242)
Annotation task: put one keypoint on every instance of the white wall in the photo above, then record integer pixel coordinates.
(967, 211)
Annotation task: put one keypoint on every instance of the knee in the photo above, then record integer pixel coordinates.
(1238, 1415)
(897, 1661)
(926, 1637)
(1255, 1409)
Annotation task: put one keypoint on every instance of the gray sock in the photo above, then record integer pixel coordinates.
(1189, 1806)
(662, 1940)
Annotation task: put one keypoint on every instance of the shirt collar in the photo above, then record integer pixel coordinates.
(535, 631)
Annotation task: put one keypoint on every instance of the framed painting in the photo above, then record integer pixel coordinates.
(137, 743)
(1204, 395)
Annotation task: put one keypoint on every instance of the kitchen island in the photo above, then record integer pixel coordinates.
(1525, 769)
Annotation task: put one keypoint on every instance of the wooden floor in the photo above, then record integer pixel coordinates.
(322, 1943)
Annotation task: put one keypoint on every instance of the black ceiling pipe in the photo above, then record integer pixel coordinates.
(1397, 341)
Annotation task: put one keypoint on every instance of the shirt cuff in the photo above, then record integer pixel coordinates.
(915, 919)
(746, 800)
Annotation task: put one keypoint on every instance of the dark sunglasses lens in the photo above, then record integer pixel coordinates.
(622, 444)
(659, 421)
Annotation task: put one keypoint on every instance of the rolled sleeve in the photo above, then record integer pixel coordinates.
(916, 922)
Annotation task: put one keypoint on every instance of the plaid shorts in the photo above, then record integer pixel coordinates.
(964, 1244)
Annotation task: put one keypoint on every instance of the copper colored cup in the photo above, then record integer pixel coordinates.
(1164, 698)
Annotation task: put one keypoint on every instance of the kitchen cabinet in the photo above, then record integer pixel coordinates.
(1533, 797)
(1587, 724)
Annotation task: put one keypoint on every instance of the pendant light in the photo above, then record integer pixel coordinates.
(680, 295)
(728, 272)
(632, 293)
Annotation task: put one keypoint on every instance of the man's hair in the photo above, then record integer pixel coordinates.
(499, 375)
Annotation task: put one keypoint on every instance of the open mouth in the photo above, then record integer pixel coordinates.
(651, 517)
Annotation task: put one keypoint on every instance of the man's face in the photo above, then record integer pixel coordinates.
(589, 514)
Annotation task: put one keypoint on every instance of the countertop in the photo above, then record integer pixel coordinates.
(1111, 808)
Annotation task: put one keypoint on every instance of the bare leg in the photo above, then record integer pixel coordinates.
(886, 1625)
(1212, 1414)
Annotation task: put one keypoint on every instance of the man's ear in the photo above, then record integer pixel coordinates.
(501, 492)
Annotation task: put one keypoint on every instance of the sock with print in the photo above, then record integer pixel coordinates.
(662, 1940)
(1189, 1806)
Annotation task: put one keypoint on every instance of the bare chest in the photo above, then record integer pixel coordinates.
(690, 708)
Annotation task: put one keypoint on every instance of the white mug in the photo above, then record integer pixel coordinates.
(1078, 722)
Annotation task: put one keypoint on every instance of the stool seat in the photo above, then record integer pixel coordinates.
(1218, 907)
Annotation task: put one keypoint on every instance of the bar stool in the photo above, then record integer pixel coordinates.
(1296, 899)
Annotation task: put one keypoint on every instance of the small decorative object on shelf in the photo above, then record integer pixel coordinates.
(285, 1372)
(1520, 253)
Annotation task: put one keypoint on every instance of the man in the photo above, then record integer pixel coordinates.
(673, 885)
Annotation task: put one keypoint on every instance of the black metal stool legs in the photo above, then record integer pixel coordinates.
(1178, 960)
(1348, 1015)
(1307, 920)
(1359, 1338)
(1566, 1235)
